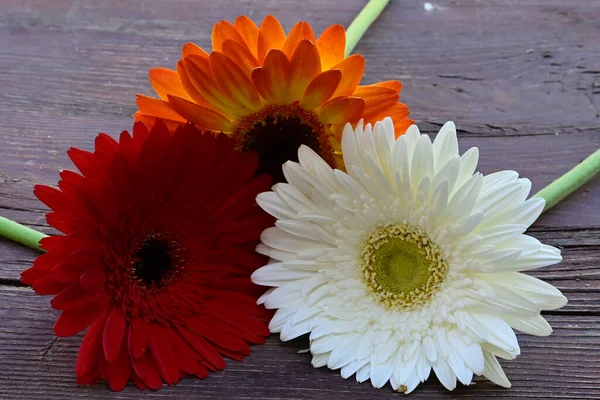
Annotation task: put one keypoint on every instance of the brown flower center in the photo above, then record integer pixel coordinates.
(277, 132)
(155, 261)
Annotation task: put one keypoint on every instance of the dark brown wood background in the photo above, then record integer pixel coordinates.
(520, 78)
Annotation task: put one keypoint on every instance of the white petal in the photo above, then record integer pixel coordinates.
(278, 239)
(445, 145)
(536, 259)
(319, 360)
(293, 197)
(543, 294)
(493, 371)
(344, 352)
(351, 368)
(430, 350)
(449, 173)
(380, 374)
(533, 325)
(468, 164)
(289, 331)
(276, 275)
(500, 233)
(350, 147)
(523, 214)
(471, 354)
(363, 373)
(498, 333)
(422, 162)
(445, 374)
(464, 374)
(274, 205)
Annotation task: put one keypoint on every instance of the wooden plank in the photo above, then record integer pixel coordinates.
(499, 68)
(34, 365)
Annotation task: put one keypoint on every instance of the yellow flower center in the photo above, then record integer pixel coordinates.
(276, 133)
(402, 267)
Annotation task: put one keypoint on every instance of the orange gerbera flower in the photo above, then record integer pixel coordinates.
(272, 92)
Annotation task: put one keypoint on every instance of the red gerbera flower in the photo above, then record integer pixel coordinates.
(156, 256)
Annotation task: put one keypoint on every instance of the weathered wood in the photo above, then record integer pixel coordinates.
(504, 67)
(521, 79)
(41, 366)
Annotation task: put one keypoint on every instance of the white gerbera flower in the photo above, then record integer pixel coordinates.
(407, 262)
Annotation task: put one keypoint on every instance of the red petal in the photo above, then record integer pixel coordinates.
(145, 369)
(203, 347)
(73, 297)
(114, 331)
(185, 354)
(163, 355)
(71, 322)
(83, 160)
(89, 349)
(138, 339)
(120, 371)
(53, 198)
(93, 277)
(47, 285)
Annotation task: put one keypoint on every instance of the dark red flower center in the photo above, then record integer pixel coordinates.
(277, 132)
(153, 262)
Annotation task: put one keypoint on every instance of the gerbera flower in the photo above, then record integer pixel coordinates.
(272, 92)
(410, 261)
(156, 256)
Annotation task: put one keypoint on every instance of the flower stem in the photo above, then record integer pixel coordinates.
(571, 181)
(362, 22)
(19, 233)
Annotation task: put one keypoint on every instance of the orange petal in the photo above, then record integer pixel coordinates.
(201, 116)
(209, 89)
(271, 79)
(341, 110)
(165, 81)
(299, 32)
(241, 55)
(149, 121)
(321, 89)
(249, 31)
(189, 87)
(399, 114)
(378, 100)
(402, 125)
(352, 69)
(397, 86)
(331, 45)
(192, 48)
(305, 65)
(270, 36)
(157, 108)
(234, 83)
(222, 31)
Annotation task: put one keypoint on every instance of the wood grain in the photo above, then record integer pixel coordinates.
(547, 368)
(521, 79)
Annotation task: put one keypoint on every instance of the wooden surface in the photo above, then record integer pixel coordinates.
(520, 78)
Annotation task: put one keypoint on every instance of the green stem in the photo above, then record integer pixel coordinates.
(19, 233)
(362, 22)
(571, 181)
